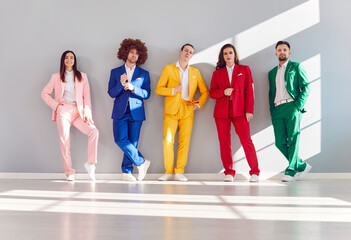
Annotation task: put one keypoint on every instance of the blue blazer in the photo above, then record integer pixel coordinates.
(141, 83)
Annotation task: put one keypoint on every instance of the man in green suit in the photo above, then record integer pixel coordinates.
(288, 92)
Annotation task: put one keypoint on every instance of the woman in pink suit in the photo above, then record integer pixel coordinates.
(72, 106)
(233, 89)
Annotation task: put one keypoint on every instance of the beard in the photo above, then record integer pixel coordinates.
(283, 58)
(132, 60)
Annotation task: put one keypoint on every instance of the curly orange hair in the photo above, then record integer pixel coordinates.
(128, 44)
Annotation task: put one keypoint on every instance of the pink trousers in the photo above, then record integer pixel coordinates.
(67, 115)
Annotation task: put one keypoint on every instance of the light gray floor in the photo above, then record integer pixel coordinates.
(54, 209)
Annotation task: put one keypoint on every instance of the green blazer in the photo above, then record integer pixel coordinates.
(296, 84)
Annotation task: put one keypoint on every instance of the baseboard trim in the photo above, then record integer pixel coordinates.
(154, 176)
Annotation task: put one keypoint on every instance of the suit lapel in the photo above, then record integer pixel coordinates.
(62, 87)
(287, 70)
(136, 73)
(192, 80)
(275, 72)
(273, 84)
(236, 71)
(77, 86)
(123, 69)
(225, 77)
(176, 72)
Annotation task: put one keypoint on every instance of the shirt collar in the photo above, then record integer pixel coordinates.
(128, 69)
(284, 65)
(178, 66)
(231, 68)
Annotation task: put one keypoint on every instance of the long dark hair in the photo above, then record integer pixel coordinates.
(63, 67)
(221, 63)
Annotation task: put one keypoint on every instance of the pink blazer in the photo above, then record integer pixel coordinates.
(82, 90)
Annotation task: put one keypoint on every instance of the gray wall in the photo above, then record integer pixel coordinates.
(33, 35)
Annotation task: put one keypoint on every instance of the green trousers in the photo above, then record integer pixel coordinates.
(286, 120)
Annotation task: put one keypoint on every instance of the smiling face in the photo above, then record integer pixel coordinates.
(186, 54)
(133, 56)
(229, 56)
(69, 61)
(282, 52)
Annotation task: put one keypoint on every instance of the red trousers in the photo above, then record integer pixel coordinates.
(242, 128)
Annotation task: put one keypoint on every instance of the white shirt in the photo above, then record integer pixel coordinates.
(130, 72)
(184, 78)
(281, 92)
(69, 93)
(230, 73)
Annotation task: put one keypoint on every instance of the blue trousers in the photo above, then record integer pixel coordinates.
(126, 132)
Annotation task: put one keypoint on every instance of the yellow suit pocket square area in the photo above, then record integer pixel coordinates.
(194, 76)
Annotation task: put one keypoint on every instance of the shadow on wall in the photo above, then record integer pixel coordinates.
(279, 27)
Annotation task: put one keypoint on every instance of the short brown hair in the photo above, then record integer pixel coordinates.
(282, 43)
(128, 44)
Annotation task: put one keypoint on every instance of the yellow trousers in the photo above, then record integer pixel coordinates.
(184, 119)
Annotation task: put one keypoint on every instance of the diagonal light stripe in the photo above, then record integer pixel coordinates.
(172, 198)
(265, 34)
(277, 28)
(209, 55)
(275, 213)
(296, 214)
(119, 208)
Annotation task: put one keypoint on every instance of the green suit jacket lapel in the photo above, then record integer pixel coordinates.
(287, 70)
(273, 84)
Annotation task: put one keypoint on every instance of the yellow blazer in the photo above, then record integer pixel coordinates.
(170, 78)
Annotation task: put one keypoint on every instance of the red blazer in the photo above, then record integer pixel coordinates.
(242, 96)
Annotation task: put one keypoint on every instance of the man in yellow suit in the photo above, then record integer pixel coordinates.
(178, 82)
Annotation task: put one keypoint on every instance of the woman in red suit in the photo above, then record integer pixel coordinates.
(233, 89)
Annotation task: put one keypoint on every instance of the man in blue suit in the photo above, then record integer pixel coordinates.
(130, 85)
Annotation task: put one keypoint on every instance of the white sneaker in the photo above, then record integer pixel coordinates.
(301, 175)
(91, 170)
(288, 178)
(228, 178)
(128, 177)
(180, 177)
(254, 178)
(166, 177)
(143, 169)
(70, 177)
